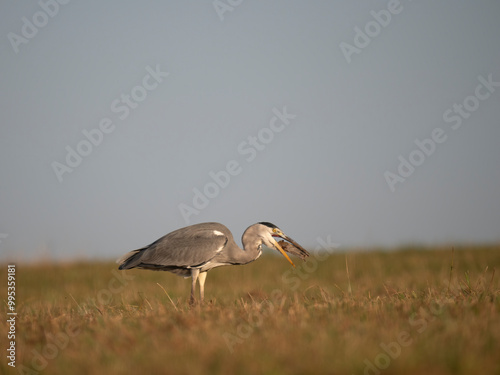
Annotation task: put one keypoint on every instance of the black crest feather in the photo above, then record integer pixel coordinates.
(268, 224)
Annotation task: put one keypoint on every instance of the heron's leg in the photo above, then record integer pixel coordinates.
(194, 275)
(201, 280)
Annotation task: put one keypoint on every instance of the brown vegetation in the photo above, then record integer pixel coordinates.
(398, 312)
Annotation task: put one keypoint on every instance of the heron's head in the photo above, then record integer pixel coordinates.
(267, 232)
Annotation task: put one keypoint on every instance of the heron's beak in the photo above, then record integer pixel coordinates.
(296, 249)
(278, 247)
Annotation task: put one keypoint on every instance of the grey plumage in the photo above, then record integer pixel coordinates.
(196, 249)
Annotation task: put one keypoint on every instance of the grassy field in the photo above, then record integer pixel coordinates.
(416, 311)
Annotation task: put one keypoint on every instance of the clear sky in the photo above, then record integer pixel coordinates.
(374, 122)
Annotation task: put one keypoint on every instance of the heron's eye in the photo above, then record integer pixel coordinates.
(275, 230)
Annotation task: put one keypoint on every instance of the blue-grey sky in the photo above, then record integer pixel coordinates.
(374, 122)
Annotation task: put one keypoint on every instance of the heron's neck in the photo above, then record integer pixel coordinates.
(251, 246)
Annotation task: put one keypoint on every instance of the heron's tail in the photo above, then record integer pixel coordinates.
(130, 260)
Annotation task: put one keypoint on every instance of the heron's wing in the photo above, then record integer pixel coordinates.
(186, 247)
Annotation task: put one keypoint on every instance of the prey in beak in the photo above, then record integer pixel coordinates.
(288, 245)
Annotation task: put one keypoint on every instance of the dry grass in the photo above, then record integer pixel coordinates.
(264, 318)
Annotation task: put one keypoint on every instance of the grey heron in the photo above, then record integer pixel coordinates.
(196, 249)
